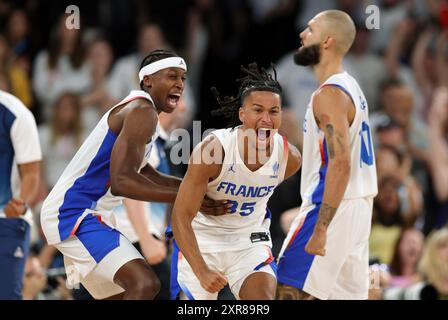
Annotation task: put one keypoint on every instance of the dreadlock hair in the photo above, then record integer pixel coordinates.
(154, 56)
(256, 79)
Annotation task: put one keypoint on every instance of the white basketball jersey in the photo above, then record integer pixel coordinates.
(362, 181)
(84, 186)
(248, 192)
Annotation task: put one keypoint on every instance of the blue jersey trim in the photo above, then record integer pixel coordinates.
(295, 264)
(174, 284)
(318, 193)
(88, 188)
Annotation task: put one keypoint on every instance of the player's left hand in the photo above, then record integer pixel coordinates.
(316, 244)
(214, 207)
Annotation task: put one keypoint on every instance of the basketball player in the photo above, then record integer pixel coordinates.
(112, 164)
(234, 248)
(325, 254)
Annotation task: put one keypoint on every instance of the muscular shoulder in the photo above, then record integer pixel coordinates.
(138, 114)
(332, 101)
(331, 95)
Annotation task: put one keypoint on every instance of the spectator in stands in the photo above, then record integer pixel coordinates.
(434, 263)
(407, 254)
(18, 82)
(61, 68)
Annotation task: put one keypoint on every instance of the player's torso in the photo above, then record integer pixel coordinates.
(247, 191)
(362, 181)
(84, 186)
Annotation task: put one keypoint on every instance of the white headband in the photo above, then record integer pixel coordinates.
(172, 62)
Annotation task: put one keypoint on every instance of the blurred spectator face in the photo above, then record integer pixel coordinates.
(66, 111)
(411, 247)
(387, 162)
(434, 263)
(391, 137)
(100, 55)
(65, 34)
(397, 102)
(17, 26)
(387, 200)
(35, 279)
(150, 39)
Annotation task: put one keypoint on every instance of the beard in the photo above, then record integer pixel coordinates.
(308, 56)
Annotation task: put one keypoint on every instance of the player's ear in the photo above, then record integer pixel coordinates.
(329, 41)
(147, 81)
(241, 114)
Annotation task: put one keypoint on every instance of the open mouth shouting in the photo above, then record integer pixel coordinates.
(173, 99)
(263, 136)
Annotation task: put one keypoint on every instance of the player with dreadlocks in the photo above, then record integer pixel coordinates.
(234, 248)
(111, 164)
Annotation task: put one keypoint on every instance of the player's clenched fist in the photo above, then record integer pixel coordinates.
(316, 244)
(212, 281)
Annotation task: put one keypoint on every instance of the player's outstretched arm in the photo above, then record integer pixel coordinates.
(139, 125)
(332, 109)
(186, 206)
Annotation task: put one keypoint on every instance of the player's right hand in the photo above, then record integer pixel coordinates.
(15, 208)
(212, 281)
(214, 207)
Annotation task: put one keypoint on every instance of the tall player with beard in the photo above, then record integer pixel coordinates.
(325, 254)
(243, 165)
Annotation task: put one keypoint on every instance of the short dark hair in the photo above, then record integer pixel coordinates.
(256, 79)
(154, 56)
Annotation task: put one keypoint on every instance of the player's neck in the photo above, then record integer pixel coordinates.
(326, 68)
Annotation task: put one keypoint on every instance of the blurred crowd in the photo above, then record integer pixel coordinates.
(70, 77)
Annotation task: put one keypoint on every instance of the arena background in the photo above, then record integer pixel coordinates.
(69, 78)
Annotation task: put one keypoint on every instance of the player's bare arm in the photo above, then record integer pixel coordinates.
(139, 121)
(186, 206)
(159, 177)
(294, 161)
(334, 111)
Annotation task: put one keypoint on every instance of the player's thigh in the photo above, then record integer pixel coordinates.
(93, 257)
(252, 273)
(346, 232)
(353, 280)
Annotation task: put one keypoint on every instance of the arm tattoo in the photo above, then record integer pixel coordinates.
(326, 214)
(339, 140)
(330, 131)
